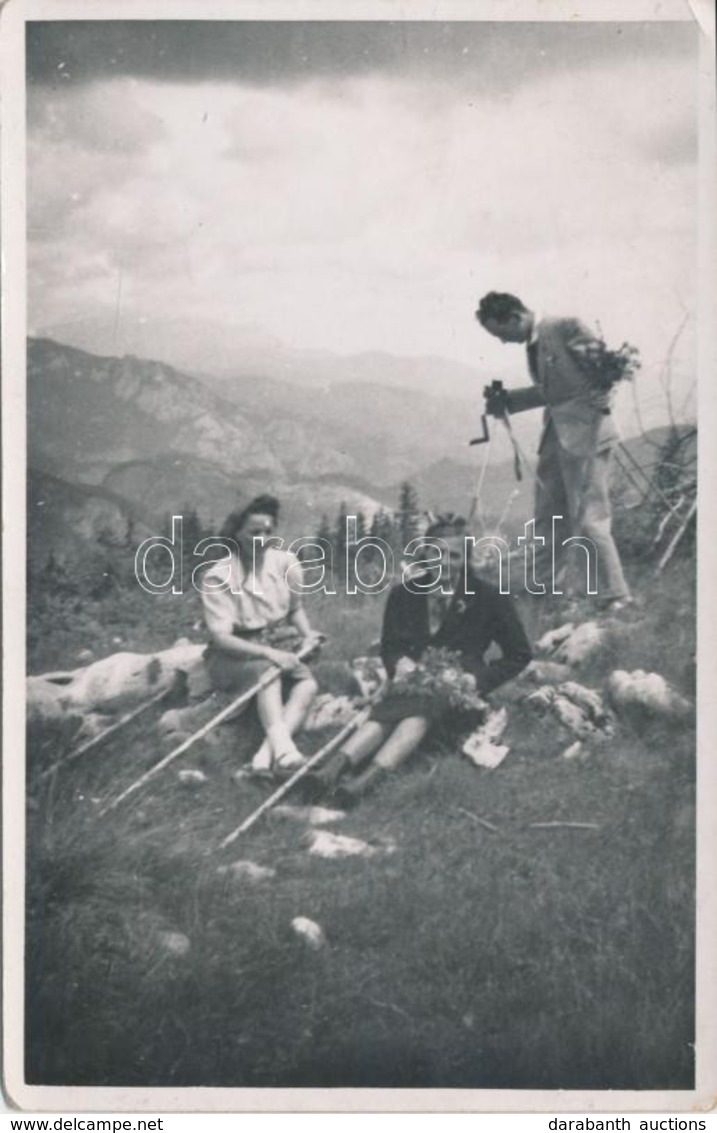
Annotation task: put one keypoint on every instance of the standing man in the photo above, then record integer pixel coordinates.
(577, 438)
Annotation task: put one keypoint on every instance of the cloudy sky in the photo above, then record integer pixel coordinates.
(357, 186)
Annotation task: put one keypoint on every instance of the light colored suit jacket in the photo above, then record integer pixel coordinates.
(563, 385)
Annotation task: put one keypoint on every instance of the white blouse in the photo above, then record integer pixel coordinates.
(235, 598)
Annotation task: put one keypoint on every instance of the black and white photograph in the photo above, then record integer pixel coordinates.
(353, 378)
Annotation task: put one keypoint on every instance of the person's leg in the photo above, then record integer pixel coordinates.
(588, 480)
(402, 742)
(364, 742)
(279, 721)
(400, 745)
(299, 701)
(551, 501)
(358, 748)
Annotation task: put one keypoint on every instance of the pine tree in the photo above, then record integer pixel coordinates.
(408, 514)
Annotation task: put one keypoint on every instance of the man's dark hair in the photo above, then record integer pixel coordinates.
(499, 306)
(260, 505)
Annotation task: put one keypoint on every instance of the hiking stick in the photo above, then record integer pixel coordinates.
(676, 538)
(271, 675)
(284, 789)
(94, 741)
(476, 508)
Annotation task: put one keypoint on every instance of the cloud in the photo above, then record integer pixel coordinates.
(502, 55)
(102, 117)
(371, 211)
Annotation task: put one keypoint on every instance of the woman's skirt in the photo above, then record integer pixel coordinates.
(394, 707)
(229, 672)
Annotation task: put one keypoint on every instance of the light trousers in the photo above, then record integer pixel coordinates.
(574, 518)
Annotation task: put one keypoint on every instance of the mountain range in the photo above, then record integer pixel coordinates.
(136, 437)
(117, 439)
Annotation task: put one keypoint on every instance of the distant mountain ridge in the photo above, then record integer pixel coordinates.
(88, 413)
(110, 438)
(205, 346)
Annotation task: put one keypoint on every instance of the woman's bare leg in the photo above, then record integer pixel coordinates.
(364, 742)
(402, 742)
(279, 722)
(270, 706)
(299, 702)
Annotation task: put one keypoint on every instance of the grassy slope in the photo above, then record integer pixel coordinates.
(521, 958)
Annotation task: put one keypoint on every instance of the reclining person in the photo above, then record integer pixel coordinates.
(255, 619)
(467, 620)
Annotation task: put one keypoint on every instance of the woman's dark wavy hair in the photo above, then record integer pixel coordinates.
(260, 505)
(499, 306)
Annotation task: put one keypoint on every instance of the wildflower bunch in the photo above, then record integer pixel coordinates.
(604, 366)
(440, 678)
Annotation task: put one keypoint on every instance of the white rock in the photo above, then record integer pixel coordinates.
(572, 716)
(175, 942)
(573, 751)
(577, 708)
(191, 776)
(324, 844)
(541, 672)
(309, 931)
(85, 655)
(120, 681)
(244, 870)
(586, 698)
(581, 644)
(314, 815)
(542, 698)
(648, 690)
(485, 753)
(550, 640)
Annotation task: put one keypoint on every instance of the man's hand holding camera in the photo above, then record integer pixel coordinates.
(497, 399)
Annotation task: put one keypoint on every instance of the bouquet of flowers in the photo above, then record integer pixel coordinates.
(606, 367)
(440, 678)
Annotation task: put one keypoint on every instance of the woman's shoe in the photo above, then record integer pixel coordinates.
(317, 784)
(260, 766)
(288, 763)
(348, 795)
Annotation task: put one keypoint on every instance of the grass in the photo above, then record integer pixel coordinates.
(515, 958)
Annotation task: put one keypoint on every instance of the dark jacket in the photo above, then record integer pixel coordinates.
(473, 623)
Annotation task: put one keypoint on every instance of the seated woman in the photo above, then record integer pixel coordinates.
(254, 619)
(465, 620)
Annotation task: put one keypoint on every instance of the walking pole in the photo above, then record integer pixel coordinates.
(263, 682)
(284, 789)
(95, 741)
(669, 551)
(476, 510)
